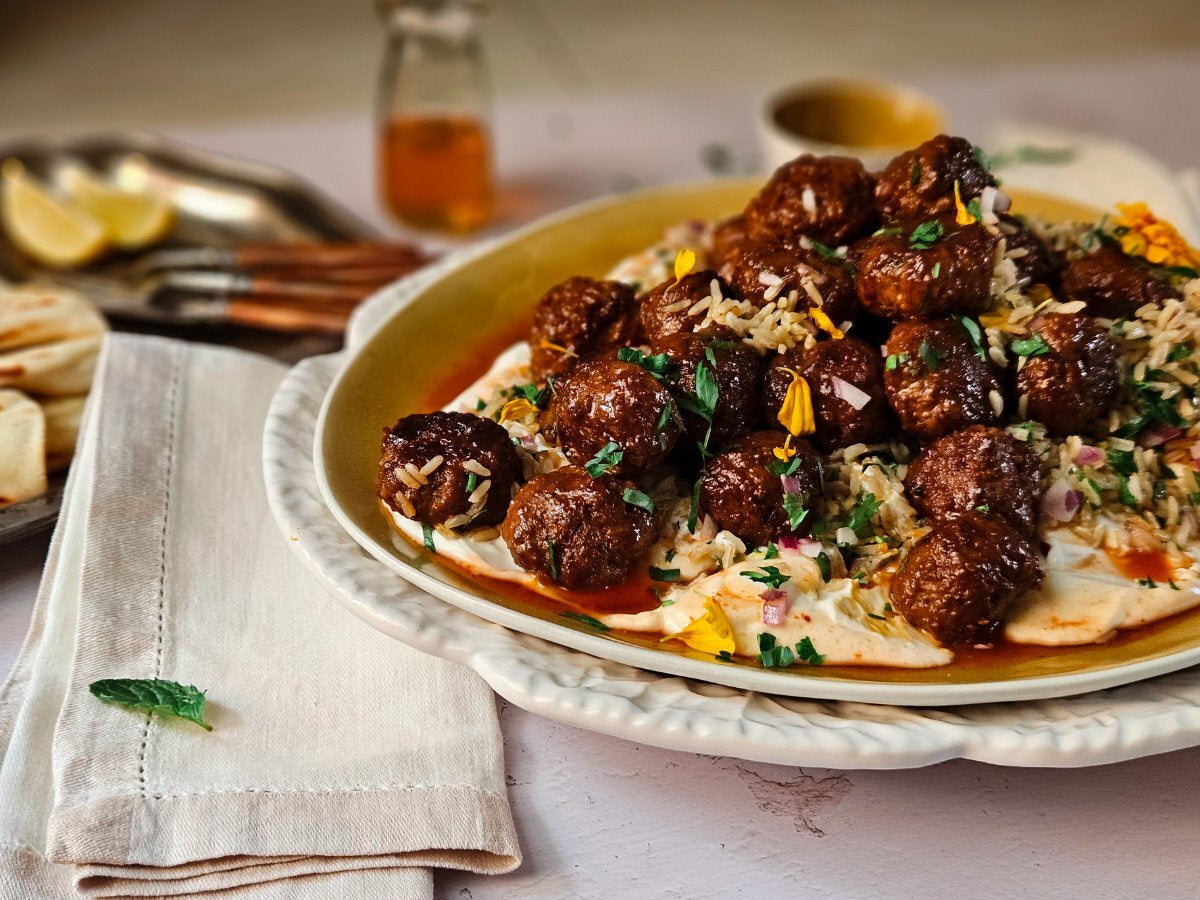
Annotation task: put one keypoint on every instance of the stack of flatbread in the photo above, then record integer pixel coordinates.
(49, 341)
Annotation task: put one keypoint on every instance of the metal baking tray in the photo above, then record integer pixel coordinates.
(219, 202)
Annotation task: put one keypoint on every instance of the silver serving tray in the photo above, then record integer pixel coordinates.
(219, 201)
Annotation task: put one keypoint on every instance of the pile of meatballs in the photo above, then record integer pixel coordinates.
(903, 288)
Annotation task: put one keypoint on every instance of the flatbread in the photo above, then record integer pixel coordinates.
(63, 418)
(56, 370)
(22, 448)
(31, 315)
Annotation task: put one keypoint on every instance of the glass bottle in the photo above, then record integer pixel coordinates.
(435, 161)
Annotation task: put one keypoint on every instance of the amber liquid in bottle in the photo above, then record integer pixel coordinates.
(437, 171)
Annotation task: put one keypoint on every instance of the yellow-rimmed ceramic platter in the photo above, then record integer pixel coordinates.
(456, 322)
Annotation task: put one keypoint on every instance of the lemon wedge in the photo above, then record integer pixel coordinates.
(53, 232)
(133, 220)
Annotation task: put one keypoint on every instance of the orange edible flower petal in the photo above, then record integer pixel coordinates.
(709, 634)
(785, 452)
(517, 408)
(825, 323)
(559, 347)
(1154, 239)
(962, 216)
(684, 260)
(796, 414)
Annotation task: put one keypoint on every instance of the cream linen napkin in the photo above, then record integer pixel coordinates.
(341, 763)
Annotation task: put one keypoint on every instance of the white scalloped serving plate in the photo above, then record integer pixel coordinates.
(1140, 719)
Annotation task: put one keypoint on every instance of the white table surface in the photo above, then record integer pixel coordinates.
(598, 816)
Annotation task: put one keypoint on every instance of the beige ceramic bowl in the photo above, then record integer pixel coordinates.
(440, 332)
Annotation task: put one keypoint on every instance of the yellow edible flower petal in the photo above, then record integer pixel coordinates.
(709, 634)
(825, 323)
(1154, 239)
(684, 260)
(517, 408)
(962, 216)
(785, 452)
(559, 347)
(796, 414)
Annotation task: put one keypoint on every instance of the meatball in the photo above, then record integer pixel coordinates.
(936, 381)
(1035, 264)
(839, 422)
(1112, 284)
(581, 318)
(744, 496)
(1071, 380)
(575, 530)
(920, 182)
(960, 579)
(473, 451)
(757, 266)
(824, 198)
(606, 400)
(664, 310)
(727, 241)
(977, 470)
(738, 374)
(923, 270)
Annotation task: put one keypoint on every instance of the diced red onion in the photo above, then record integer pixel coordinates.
(1088, 455)
(844, 390)
(775, 606)
(791, 484)
(1061, 501)
(1158, 434)
(805, 545)
(789, 543)
(529, 442)
(1195, 451)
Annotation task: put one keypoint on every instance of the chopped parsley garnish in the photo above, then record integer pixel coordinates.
(1152, 408)
(793, 505)
(929, 355)
(480, 405)
(783, 468)
(808, 653)
(771, 655)
(874, 616)
(1178, 352)
(1121, 461)
(1030, 346)
(427, 537)
(983, 508)
(769, 575)
(772, 551)
(937, 269)
(532, 393)
(892, 231)
(1124, 493)
(725, 656)
(1180, 271)
(864, 512)
(670, 554)
(657, 574)
(974, 209)
(472, 481)
(915, 175)
(585, 620)
(926, 235)
(663, 418)
(894, 360)
(887, 607)
(825, 251)
(552, 559)
(608, 456)
(982, 158)
(694, 511)
(636, 498)
(1172, 585)
(1147, 582)
(659, 365)
(975, 333)
(822, 561)
(1030, 153)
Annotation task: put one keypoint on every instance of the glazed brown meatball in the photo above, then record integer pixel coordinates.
(727, 241)
(738, 374)
(439, 496)
(960, 579)
(935, 380)
(1076, 380)
(756, 260)
(977, 470)
(1112, 284)
(575, 530)
(920, 182)
(607, 400)
(744, 497)
(953, 274)
(824, 198)
(579, 319)
(657, 310)
(839, 424)
(1036, 265)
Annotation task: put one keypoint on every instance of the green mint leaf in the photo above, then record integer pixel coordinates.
(531, 392)
(1030, 346)
(769, 575)
(427, 537)
(638, 499)
(975, 333)
(781, 468)
(982, 158)
(706, 391)
(657, 574)
(822, 560)
(694, 512)
(585, 620)
(974, 209)
(725, 656)
(808, 653)
(915, 176)
(552, 559)
(772, 551)
(608, 456)
(153, 695)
